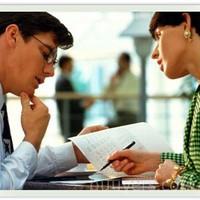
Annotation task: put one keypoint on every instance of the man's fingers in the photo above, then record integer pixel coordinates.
(38, 104)
(28, 103)
(25, 101)
(91, 129)
(98, 128)
(36, 101)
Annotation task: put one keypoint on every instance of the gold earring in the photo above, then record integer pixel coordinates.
(187, 34)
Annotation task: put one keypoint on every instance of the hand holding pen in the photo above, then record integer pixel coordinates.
(111, 161)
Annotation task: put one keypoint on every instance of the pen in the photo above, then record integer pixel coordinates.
(111, 161)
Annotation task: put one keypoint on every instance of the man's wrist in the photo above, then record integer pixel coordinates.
(36, 144)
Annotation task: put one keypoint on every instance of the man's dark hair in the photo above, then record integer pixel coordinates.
(160, 19)
(126, 56)
(31, 23)
(63, 60)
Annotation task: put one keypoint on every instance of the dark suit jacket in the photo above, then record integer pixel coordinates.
(76, 111)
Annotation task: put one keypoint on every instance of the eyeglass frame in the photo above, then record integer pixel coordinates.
(51, 57)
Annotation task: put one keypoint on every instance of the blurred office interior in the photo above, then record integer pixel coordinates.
(99, 37)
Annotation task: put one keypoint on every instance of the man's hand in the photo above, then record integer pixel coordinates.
(79, 156)
(34, 119)
(91, 129)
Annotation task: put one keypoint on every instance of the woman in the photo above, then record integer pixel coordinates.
(177, 53)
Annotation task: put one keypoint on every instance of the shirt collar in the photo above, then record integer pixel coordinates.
(2, 97)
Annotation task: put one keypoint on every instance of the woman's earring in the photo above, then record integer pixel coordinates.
(187, 34)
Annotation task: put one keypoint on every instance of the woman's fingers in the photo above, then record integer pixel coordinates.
(118, 165)
(122, 154)
(126, 169)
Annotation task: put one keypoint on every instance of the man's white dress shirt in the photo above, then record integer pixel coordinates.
(25, 162)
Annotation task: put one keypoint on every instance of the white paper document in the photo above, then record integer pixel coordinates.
(139, 182)
(99, 145)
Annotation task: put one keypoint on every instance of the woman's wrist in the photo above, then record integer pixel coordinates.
(174, 181)
(154, 161)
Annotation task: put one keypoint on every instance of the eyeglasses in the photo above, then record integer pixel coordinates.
(50, 58)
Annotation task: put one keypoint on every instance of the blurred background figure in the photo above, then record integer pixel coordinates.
(124, 86)
(71, 111)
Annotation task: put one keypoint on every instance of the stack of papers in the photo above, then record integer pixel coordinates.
(99, 145)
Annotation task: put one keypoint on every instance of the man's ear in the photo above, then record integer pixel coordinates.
(12, 32)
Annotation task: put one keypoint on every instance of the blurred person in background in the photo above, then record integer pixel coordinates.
(71, 111)
(124, 83)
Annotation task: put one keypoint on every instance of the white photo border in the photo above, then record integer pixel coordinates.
(107, 6)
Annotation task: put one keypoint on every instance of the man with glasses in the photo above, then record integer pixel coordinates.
(51, 56)
(28, 46)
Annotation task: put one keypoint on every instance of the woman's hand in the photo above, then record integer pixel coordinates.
(135, 162)
(165, 171)
(79, 156)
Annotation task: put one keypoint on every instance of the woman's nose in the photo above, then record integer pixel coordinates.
(155, 53)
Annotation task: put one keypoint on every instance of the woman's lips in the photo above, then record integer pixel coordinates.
(160, 64)
(161, 67)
